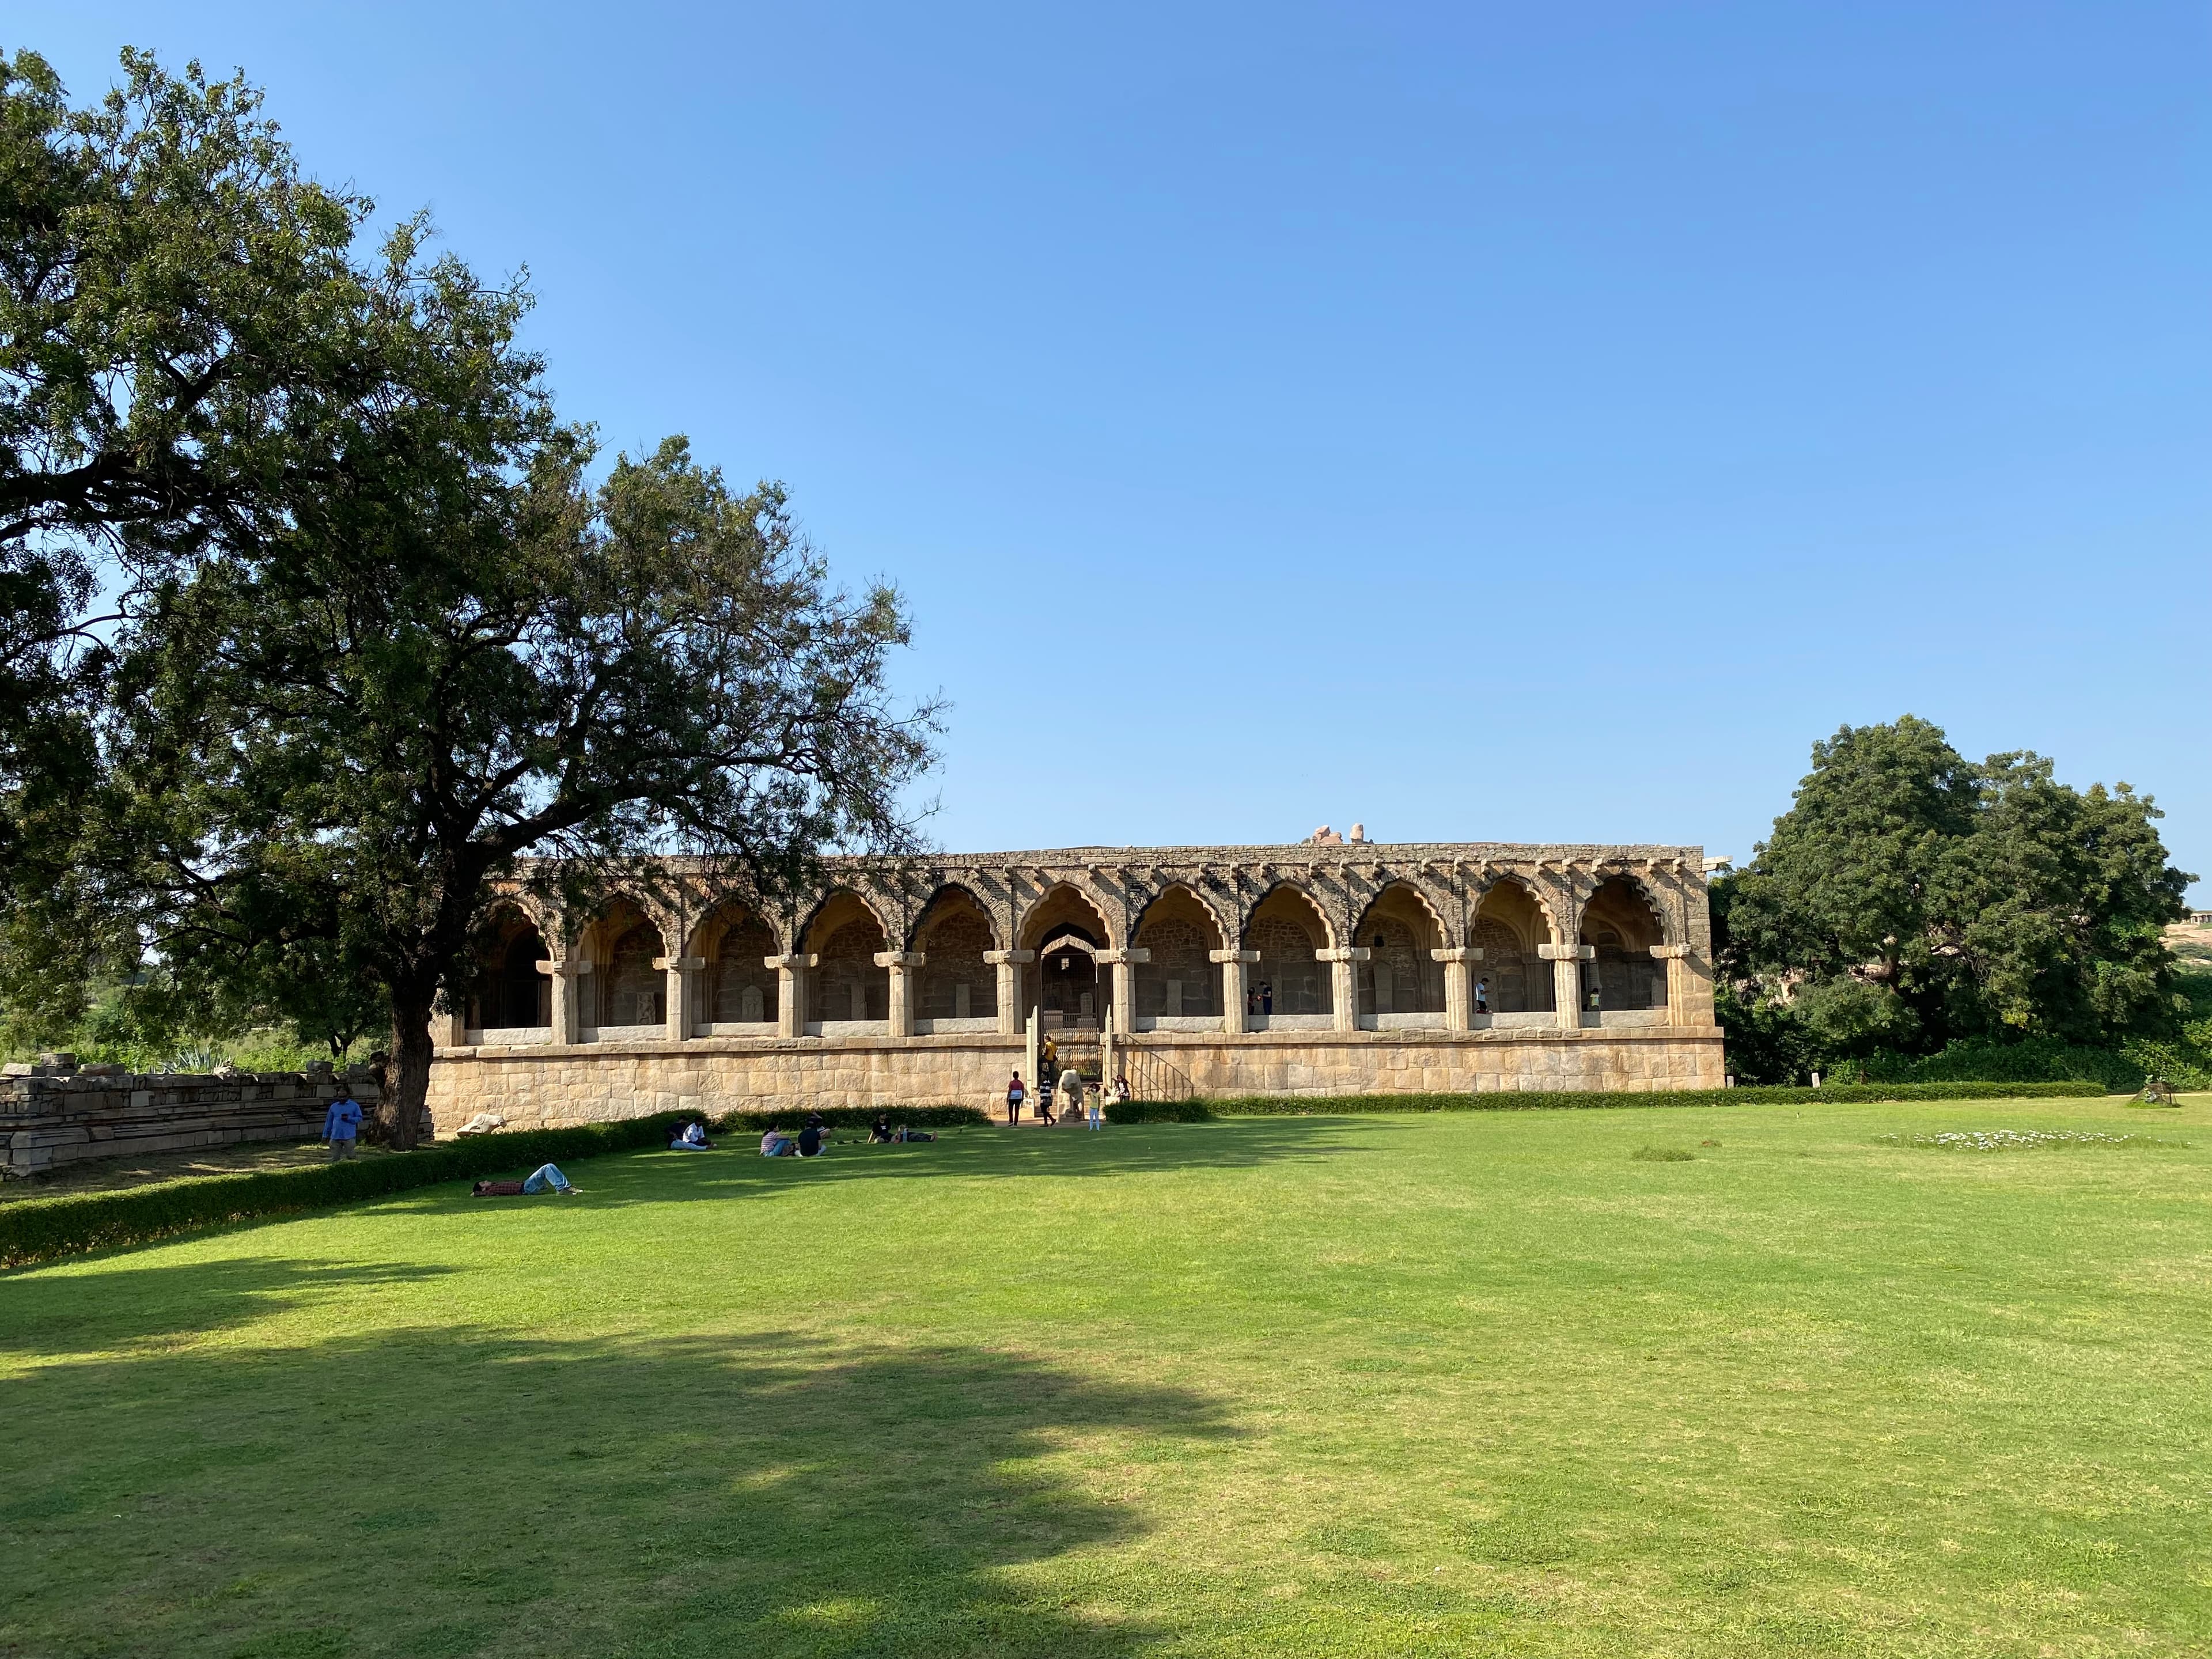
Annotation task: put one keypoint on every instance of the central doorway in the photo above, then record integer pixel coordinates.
(1068, 994)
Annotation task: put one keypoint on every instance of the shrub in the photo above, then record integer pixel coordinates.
(1157, 1111)
(1196, 1111)
(850, 1117)
(2184, 1065)
(2033, 1060)
(38, 1229)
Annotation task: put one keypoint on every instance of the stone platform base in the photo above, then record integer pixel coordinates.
(542, 1084)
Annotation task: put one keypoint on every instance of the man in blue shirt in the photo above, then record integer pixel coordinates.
(342, 1125)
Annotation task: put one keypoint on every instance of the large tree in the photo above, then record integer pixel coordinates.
(377, 634)
(338, 749)
(1910, 897)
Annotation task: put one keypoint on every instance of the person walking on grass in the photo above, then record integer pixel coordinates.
(341, 1126)
(1015, 1096)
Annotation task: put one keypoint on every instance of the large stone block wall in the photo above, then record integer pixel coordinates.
(584, 1083)
(50, 1120)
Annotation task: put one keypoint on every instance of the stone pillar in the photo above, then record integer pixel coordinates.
(1566, 961)
(1344, 982)
(791, 992)
(683, 995)
(1009, 964)
(567, 976)
(1233, 964)
(451, 1030)
(901, 964)
(1459, 984)
(1121, 1015)
(1677, 958)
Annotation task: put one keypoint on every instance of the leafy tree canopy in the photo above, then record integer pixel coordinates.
(390, 634)
(1911, 898)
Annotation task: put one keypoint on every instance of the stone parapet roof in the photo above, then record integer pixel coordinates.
(1494, 852)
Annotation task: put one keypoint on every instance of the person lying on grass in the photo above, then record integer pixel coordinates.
(880, 1132)
(545, 1178)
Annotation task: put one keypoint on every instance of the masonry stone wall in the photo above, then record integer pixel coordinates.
(55, 1120)
(530, 1087)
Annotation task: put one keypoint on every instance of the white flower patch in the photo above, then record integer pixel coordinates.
(2005, 1140)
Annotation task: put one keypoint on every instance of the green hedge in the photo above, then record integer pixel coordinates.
(2031, 1060)
(853, 1117)
(1193, 1111)
(38, 1229)
(1157, 1111)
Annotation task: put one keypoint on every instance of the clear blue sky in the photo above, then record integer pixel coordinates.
(1484, 422)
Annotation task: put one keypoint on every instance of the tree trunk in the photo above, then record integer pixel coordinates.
(410, 1067)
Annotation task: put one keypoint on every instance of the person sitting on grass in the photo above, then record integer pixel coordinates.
(879, 1132)
(691, 1138)
(776, 1144)
(545, 1178)
(810, 1137)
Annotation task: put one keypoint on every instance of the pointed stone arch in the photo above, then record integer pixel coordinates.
(803, 929)
(1289, 928)
(1657, 896)
(1066, 927)
(953, 934)
(1037, 917)
(850, 986)
(1510, 923)
(738, 989)
(1178, 977)
(623, 991)
(1620, 926)
(1400, 929)
(508, 990)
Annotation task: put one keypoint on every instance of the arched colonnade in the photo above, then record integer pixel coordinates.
(1235, 945)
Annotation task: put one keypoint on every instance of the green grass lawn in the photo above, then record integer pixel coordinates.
(1456, 1384)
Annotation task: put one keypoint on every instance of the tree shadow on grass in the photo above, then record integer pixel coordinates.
(453, 1492)
(62, 1313)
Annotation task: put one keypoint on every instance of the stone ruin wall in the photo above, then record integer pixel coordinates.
(56, 1115)
(838, 997)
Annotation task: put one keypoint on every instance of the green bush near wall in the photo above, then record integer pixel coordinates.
(39, 1230)
(1195, 1111)
(853, 1117)
(2031, 1059)
(1161, 1111)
